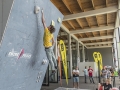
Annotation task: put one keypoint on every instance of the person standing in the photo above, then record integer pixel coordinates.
(76, 78)
(109, 75)
(85, 74)
(119, 73)
(90, 71)
(104, 75)
(112, 73)
(48, 43)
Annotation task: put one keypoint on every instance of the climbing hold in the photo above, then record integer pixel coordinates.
(52, 23)
(44, 61)
(59, 19)
(37, 9)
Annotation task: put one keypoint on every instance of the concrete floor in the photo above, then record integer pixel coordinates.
(83, 85)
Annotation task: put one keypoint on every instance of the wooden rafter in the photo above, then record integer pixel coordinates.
(93, 4)
(93, 35)
(96, 15)
(107, 34)
(107, 18)
(80, 23)
(107, 24)
(88, 36)
(71, 24)
(80, 35)
(96, 18)
(100, 35)
(88, 24)
(66, 4)
(80, 4)
(107, 13)
(106, 3)
(88, 21)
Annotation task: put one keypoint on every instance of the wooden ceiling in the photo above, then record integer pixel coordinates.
(84, 24)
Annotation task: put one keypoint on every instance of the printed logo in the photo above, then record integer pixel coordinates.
(21, 54)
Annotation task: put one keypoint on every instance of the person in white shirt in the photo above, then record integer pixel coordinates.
(76, 78)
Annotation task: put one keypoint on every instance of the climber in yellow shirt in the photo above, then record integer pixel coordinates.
(48, 43)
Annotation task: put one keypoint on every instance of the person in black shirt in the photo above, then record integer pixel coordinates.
(107, 86)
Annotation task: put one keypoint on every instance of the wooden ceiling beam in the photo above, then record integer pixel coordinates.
(102, 28)
(80, 35)
(97, 20)
(88, 22)
(107, 18)
(66, 30)
(106, 3)
(80, 4)
(117, 22)
(93, 4)
(96, 15)
(99, 47)
(98, 43)
(95, 38)
(66, 4)
(91, 13)
(100, 33)
(89, 26)
(80, 23)
(88, 36)
(70, 23)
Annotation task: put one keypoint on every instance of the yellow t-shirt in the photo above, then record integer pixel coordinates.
(47, 38)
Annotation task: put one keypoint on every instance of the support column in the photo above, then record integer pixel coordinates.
(118, 34)
(70, 53)
(118, 48)
(78, 54)
(83, 53)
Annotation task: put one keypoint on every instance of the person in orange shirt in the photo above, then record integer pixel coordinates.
(48, 43)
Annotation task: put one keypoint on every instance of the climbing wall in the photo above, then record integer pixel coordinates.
(23, 36)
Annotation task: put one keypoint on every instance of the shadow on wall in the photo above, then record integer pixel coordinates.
(38, 42)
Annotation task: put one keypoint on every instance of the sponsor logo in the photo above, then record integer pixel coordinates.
(16, 54)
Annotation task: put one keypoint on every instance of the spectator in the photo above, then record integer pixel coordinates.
(90, 71)
(109, 75)
(85, 74)
(107, 86)
(112, 73)
(76, 78)
(104, 75)
(119, 73)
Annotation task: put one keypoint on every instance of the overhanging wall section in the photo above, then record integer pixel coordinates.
(25, 31)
